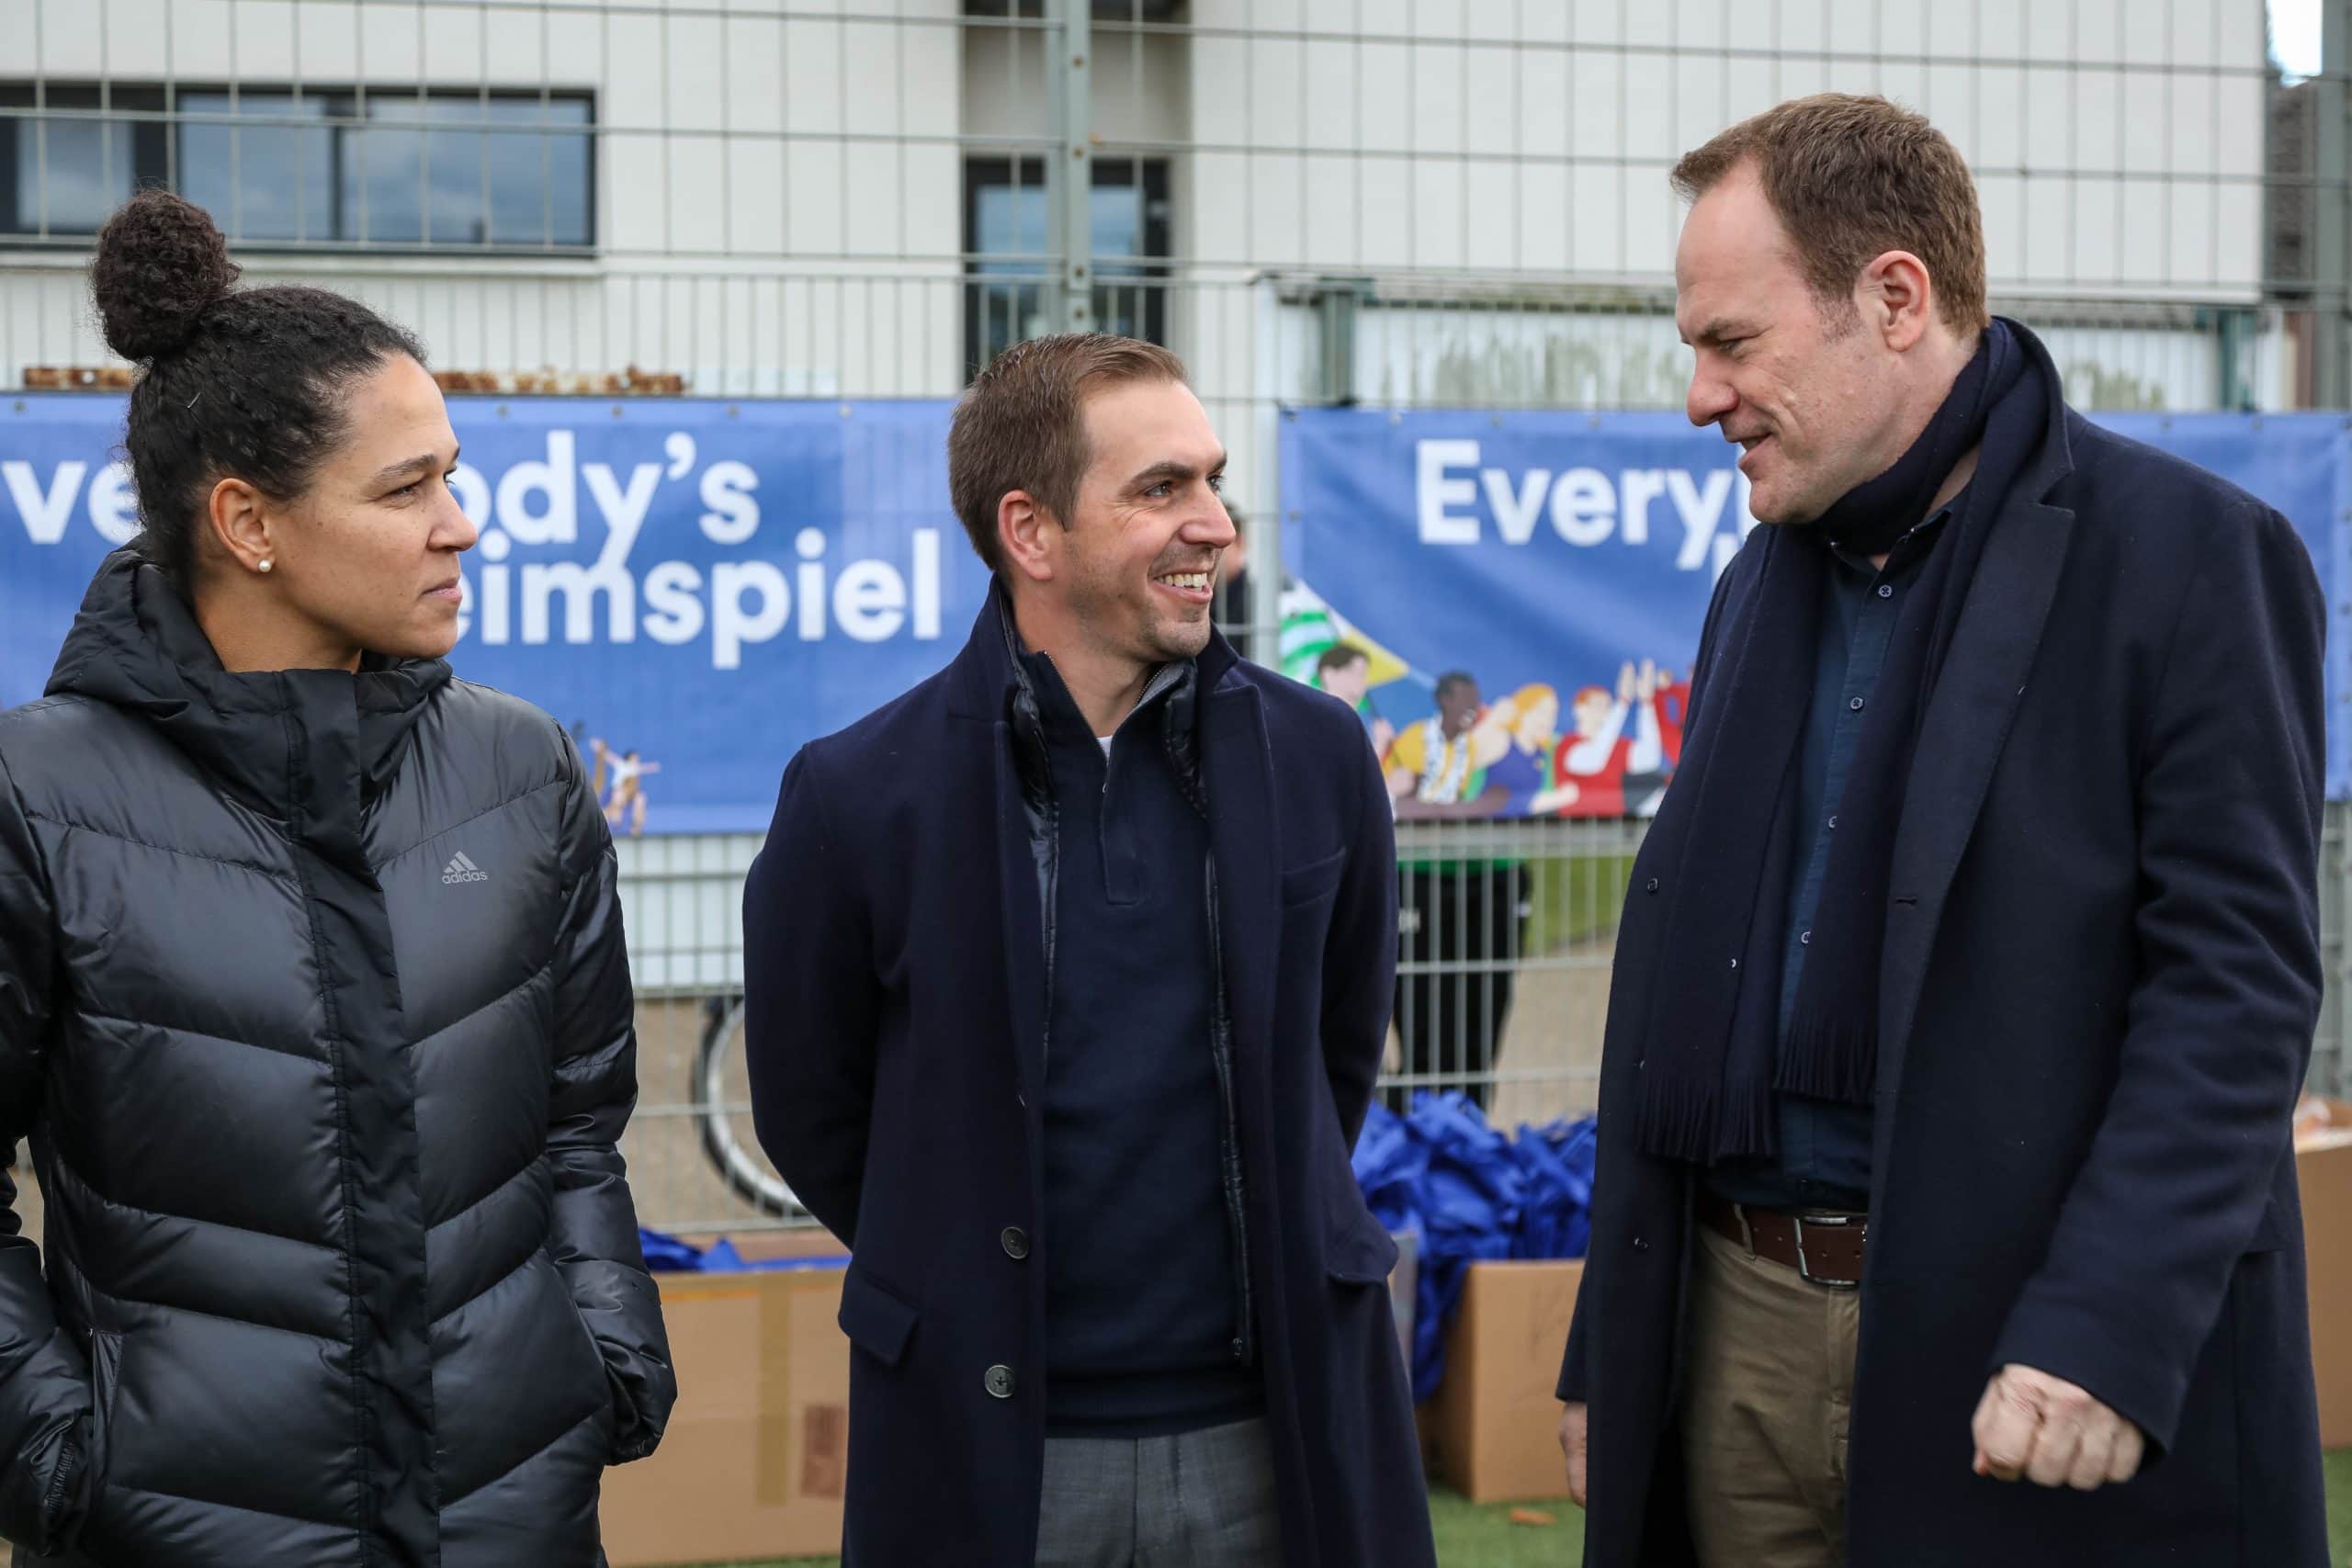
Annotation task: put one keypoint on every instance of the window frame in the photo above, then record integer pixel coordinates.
(154, 115)
(1147, 272)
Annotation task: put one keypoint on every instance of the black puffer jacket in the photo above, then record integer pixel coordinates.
(314, 1005)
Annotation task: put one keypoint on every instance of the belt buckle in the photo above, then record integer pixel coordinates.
(1827, 1222)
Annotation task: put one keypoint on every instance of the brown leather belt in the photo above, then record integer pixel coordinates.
(1824, 1248)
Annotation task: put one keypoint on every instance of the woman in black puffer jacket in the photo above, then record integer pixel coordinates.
(313, 1000)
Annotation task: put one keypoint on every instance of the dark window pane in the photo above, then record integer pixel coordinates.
(539, 181)
(475, 183)
(259, 179)
(452, 178)
(382, 169)
(1117, 219)
(1006, 223)
(1008, 227)
(67, 175)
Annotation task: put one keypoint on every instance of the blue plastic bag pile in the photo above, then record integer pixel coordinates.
(1467, 1193)
(1461, 1188)
(668, 1255)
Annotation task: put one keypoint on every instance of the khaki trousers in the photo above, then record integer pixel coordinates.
(1765, 1411)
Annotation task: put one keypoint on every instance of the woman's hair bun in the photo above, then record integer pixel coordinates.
(162, 263)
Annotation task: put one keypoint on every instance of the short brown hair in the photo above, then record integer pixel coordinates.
(1022, 425)
(1338, 656)
(1852, 178)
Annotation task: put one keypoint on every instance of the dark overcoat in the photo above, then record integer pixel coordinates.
(896, 972)
(2101, 983)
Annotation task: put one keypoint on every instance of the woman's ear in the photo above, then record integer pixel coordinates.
(238, 516)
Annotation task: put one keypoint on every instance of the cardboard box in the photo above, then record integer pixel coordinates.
(755, 1460)
(2324, 1171)
(1493, 1428)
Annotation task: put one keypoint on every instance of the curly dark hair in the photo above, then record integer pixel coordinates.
(236, 383)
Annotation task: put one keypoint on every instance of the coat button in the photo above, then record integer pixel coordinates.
(1016, 1243)
(1652, 885)
(1641, 1244)
(1886, 590)
(1000, 1382)
(1856, 704)
(1804, 938)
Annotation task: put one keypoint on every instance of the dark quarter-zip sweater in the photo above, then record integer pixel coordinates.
(1140, 1292)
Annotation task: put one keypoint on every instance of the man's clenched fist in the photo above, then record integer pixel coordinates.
(2052, 1433)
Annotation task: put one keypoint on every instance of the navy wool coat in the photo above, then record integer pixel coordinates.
(2102, 978)
(896, 1000)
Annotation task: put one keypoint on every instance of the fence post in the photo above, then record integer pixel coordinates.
(2331, 211)
(1070, 191)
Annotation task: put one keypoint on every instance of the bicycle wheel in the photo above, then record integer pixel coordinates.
(740, 1165)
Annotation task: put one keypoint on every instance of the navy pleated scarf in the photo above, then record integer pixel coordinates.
(1712, 1058)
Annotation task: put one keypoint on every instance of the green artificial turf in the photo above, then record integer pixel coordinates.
(1469, 1536)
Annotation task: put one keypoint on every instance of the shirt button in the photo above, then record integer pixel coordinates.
(1734, 962)
(1804, 938)
(1833, 824)
(1886, 590)
(1641, 1244)
(1000, 1382)
(1016, 1243)
(1856, 704)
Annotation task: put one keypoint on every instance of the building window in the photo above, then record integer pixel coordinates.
(1103, 10)
(1010, 264)
(442, 170)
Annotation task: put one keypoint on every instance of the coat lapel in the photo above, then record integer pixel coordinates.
(1237, 766)
(1022, 928)
(1967, 721)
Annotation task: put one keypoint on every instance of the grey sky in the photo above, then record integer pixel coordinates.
(2294, 36)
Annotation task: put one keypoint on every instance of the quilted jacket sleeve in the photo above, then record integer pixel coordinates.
(596, 1242)
(45, 1403)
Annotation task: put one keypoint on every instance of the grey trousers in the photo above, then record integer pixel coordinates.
(1199, 1500)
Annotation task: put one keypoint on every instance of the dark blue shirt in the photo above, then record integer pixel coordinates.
(1824, 1158)
(1140, 1295)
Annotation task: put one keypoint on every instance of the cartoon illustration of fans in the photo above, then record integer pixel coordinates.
(1609, 772)
(1435, 769)
(1516, 740)
(1344, 669)
(627, 772)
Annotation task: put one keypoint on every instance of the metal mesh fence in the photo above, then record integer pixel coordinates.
(1396, 204)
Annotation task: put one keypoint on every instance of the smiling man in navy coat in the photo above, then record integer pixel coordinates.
(1946, 1215)
(1068, 978)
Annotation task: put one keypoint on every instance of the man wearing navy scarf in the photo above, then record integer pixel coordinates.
(1945, 1211)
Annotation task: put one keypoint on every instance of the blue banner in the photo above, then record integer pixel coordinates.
(1562, 562)
(692, 588)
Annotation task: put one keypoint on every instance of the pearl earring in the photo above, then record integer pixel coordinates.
(265, 565)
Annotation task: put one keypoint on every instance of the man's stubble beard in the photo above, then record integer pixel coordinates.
(1117, 626)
